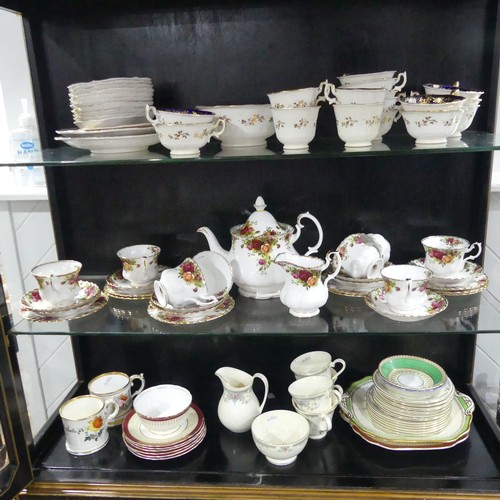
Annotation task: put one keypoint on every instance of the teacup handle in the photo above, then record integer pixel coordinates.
(337, 267)
(112, 415)
(479, 250)
(338, 391)
(141, 387)
(220, 122)
(326, 89)
(266, 389)
(161, 293)
(339, 361)
(299, 226)
(210, 299)
(402, 76)
(151, 114)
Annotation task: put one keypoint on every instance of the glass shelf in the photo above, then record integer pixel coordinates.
(319, 148)
(469, 314)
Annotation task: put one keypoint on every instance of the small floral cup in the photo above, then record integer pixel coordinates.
(85, 421)
(140, 263)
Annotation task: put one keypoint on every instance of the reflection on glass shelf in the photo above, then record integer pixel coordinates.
(319, 148)
(341, 315)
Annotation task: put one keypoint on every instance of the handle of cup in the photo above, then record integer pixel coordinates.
(299, 226)
(336, 268)
(338, 392)
(401, 76)
(220, 122)
(479, 250)
(210, 299)
(140, 377)
(161, 293)
(112, 415)
(266, 389)
(151, 114)
(342, 364)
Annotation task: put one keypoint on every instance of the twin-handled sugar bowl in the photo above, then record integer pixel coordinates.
(255, 245)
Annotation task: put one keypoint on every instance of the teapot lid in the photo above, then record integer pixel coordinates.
(261, 220)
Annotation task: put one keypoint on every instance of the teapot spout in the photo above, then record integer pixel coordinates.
(213, 243)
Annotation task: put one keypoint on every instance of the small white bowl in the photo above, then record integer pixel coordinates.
(280, 435)
(432, 127)
(246, 125)
(161, 408)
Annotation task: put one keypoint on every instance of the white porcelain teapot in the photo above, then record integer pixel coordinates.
(255, 244)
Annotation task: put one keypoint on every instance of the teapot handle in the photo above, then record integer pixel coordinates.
(336, 267)
(298, 228)
(266, 389)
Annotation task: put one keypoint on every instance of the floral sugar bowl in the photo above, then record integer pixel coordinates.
(254, 246)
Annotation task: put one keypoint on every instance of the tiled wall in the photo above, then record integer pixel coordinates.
(487, 362)
(46, 362)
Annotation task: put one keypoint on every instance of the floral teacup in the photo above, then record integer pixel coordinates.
(85, 421)
(445, 255)
(140, 263)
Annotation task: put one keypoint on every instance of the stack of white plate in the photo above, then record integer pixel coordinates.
(143, 443)
(110, 103)
(410, 396)
(110, 116)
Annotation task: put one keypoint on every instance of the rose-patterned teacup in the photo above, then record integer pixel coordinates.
(209, 272)
(445, 255)
(405, 286)
(85, 422)
(314, 394)
(140, 263)
(118, 387)
(58, 281)
(362, 256)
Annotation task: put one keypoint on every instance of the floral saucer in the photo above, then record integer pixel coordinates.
(433, 305)
(469, 281)
(52, 317)
(117, 286)
(178, 317)
(350, 287)
(89, 292)
(353, 409)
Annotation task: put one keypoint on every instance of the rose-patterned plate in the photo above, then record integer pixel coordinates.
(433, 305)
(86, 310)
(177, 317)
(89, 292)
(470, 281)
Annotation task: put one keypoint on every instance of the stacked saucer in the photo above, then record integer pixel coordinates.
(408, 404)
(411, 396)
(110, 116)
(470, 280)
(185, 437)
(343, 284)
(120, 288)
(88, 301)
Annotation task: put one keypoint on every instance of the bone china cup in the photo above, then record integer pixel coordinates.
(247, 125)
(116, 386)
(445, 255)
(317, 363)
(85, 422)
(296, 98)
(405, 286)
(358, 124)
(140, 263)
(58, 281)
(185, 140)
(280, 435)
(161, 408)
(295, 127)
(177, 116)
(314, 393)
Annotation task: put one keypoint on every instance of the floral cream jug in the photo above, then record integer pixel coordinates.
(254, 246)
(304, 291)
(238, 405)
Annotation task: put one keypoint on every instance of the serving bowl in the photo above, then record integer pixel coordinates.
(280, 435)
(246, 125)
(162, 408)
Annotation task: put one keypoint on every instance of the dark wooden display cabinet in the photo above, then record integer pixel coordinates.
(207, 52)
